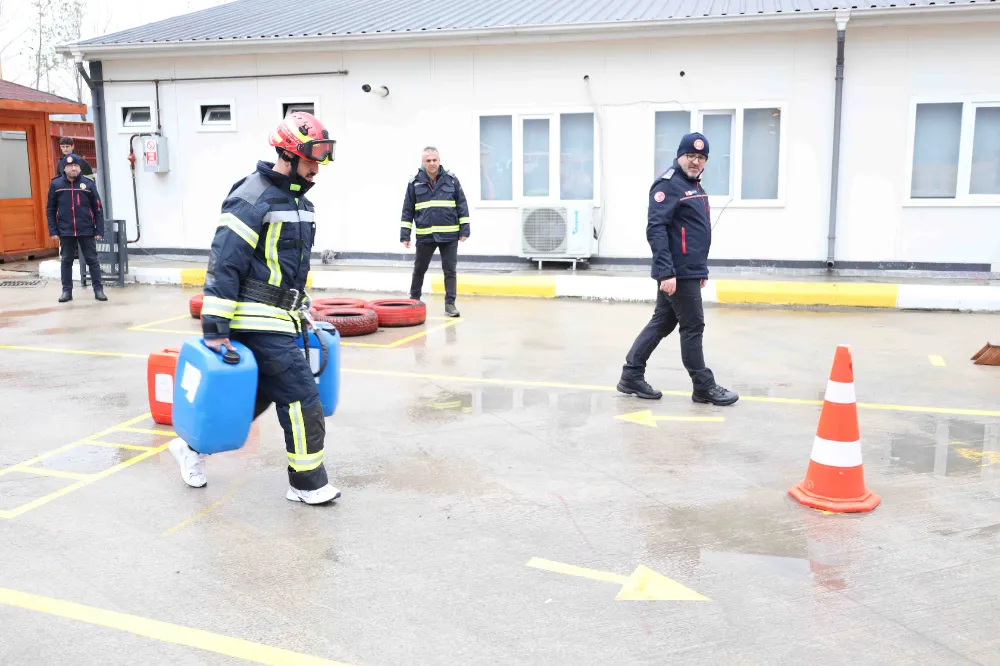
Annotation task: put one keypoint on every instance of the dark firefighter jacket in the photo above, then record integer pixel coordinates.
(436, 210)
(74, 208)
(266, 232)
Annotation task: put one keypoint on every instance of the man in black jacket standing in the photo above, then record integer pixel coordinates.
(436, 209)
(679, 231)
(75, 217)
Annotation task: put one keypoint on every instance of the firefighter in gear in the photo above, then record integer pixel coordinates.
(255, 293)
(436, 208)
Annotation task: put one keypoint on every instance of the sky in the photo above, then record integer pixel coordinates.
(100, 17)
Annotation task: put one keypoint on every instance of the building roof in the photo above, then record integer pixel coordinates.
(263, 19)
(23, 98)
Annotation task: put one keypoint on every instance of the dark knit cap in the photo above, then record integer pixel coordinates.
(693, 143)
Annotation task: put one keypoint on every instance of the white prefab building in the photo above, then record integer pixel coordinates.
(575, 108)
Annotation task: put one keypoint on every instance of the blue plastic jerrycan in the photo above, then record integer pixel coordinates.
(214, 396)
(328, 381)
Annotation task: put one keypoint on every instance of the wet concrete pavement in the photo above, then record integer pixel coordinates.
(465, 453)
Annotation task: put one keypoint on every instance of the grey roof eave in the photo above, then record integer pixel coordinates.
(537, 33)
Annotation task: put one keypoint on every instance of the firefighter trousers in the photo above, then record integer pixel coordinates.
(285, 379)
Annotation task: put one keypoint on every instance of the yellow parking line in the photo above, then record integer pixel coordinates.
(139, 327)
(40, 457)
(207, 510)
(117, 445)
(682, 394)
(44, 471)
(81, 480)
(144, 431)
(41, 501)
(421, 334)
(163, 631)
(936, 360)
(586, 387)
(82, 352)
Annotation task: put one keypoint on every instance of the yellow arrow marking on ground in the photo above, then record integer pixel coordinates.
(936, 360)
(643, 585)
(646, 418)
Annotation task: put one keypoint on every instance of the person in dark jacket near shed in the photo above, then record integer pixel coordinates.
(679, 231)
(75, 218)
(435, 207)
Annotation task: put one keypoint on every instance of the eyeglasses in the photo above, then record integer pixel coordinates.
(695, 157)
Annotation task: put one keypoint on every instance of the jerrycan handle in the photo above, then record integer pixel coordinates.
(229, 356)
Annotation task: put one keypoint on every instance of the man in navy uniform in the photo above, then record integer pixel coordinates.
(679, 231)
(435, 207)
(75, 218)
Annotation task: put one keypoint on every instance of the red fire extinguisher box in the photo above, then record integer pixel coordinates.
(160, 371)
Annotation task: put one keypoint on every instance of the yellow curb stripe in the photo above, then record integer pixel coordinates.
(500, 285)
(193, 277)
(846, 294)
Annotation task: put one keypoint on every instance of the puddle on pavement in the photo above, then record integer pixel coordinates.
(947, 447)
(87, 459)
(428, 475)
(570, 408)
(786, 540)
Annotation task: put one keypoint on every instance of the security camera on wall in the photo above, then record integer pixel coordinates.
(382, 91)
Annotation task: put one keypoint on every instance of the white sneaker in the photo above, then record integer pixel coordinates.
(321, 496)
(192, 463)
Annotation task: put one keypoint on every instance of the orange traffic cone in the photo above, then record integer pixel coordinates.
(835, 480)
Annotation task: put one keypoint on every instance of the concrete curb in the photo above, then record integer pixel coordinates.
(966, 298)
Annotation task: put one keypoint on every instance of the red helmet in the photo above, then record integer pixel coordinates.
(301, 134)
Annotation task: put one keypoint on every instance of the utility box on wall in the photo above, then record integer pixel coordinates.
(154, 154)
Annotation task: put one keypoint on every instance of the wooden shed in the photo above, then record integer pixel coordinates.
(26, 168)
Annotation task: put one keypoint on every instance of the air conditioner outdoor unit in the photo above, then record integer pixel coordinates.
(557, 232)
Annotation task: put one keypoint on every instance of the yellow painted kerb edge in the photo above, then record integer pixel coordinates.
(807, 293)
(500, 285)
(195, 277)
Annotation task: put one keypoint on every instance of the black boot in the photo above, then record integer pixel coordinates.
(717, 395)
(67, 295)
(99, 294)
(638, 387)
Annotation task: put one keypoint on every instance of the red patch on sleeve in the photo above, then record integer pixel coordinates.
(659, 197)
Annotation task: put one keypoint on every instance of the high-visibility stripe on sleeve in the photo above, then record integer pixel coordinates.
(406, 225)
(435, 204)
(287, 216)
(463, 220)
(239, 228)
(218, 307)
(271, 253)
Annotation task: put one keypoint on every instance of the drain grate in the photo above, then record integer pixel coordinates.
(20, 283)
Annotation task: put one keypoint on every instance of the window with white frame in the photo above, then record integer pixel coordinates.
(744, 148)
(136, 116)
(216, 114)
(537, 156)
(956, 151)
(293, 107)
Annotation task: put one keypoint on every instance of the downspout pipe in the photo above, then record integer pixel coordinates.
(100, 136)
(842, 17)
